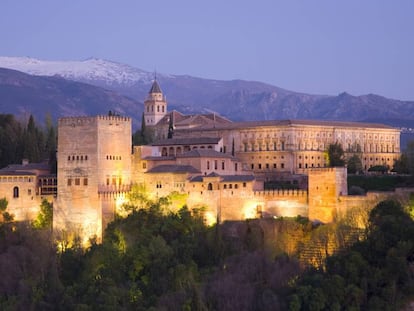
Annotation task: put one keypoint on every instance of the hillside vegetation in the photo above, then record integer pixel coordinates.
(156, 261)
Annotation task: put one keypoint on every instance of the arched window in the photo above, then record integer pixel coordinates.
(171, 151)
(15, 192)
(210, 186)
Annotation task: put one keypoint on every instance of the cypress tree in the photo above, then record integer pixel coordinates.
(143, 130)
(171, 127)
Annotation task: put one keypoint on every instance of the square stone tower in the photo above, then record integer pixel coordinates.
(94, 167)
(326, 185)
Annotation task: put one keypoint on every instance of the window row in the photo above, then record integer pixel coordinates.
(77, 157)
(266, 166)
(267, 157)
(215, 165)
(312, 165)
(159, 108)
(264, 147)
(77, 181)
(113, 180)
(16, 179)
(113, 157)
(173, 151)
(16, 192)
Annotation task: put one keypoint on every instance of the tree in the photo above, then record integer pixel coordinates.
(354, 164)
(171, 127)
(335, 155)
(401, 165)
(409, 156)
(7, 217)
(50, 145)
(33, 142)
(45, 217)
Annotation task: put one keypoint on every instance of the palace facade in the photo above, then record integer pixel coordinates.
(207, 160)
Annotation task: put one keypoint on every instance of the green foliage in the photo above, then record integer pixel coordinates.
(3, 204)
(382, 169)
(7, 217)
(335, 155)
(373, 274)
(409, 157)
(145, 257)
(29, 270)
(401, 165)
(19, 141)
(380, 182)
(44, 219)
(170, 127)
(354, 164)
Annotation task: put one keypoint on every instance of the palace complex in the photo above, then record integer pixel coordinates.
(205, 160)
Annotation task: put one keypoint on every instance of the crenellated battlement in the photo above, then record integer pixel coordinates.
(114, 118)
(76, 121)
(287, 193)
(84, 120)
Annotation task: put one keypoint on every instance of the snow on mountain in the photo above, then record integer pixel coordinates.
(90, 69)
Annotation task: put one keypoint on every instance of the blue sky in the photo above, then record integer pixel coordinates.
(318, 47)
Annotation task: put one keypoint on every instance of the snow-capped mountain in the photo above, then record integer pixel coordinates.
(237, 100)
(92, 69)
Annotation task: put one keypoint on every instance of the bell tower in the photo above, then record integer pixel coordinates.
(155, 105)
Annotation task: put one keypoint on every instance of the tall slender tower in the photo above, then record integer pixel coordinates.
(155, 106)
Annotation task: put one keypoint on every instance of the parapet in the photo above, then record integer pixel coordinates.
(87, 120)
(287, 193)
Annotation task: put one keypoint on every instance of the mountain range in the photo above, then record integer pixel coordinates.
(95, 86)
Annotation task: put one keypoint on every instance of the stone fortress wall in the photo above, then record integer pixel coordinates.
(97, 165)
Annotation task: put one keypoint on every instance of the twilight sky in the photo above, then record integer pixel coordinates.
(317, 47)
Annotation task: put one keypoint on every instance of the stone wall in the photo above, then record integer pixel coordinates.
(94, 155)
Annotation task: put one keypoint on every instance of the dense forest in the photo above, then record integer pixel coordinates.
(25, 140)
(152, 260)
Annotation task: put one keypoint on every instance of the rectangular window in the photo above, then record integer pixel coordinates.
(235, 167)
(252, 166)
(282, 165)
(107, 181)
(215, 164)
(144, 165)
(267, 165)
(260, 166)
(85, 181)
(274, 165)
(244, 185)
(77, 181)
(222, 165)
(69, 181)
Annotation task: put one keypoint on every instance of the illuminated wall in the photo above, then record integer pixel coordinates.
(270, 148)
(94, 156)
(22, 195)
